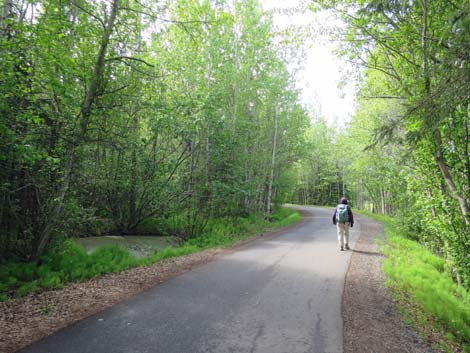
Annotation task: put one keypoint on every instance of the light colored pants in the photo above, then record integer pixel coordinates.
(343, 233)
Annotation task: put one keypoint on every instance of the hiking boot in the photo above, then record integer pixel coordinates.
(341, 249)
(347, 247)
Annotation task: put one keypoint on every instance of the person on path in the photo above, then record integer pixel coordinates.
(343, 219)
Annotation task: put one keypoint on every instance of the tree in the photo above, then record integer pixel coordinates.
(121, 112)
(415, 50)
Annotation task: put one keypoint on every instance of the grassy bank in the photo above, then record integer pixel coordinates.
(427, 296)
(68, 262)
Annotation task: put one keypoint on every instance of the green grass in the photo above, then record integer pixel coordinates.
(70, 262)
(425, 290)
(228, 231)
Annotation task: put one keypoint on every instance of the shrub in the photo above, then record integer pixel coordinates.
(27, 288)
(67, 261)
(172, 252)
(153, 226)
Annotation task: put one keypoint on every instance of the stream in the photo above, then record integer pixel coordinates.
(138, 245)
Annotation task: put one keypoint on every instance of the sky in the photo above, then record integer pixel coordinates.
(322, 72)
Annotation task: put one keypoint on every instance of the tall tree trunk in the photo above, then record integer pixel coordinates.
(190, 190)
(342, 180)
(273, 162)
(382, 201)
(85, 115)
(133, 189)
(236, 88)
(305, 190)
(338, 189)
(360, 199)
(246, 172)
(454, 192)
(467, 155)
(7, 12)
(208, 152)
(192, 150)
(439, 155)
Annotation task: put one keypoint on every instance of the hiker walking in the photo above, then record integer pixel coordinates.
(343, 219)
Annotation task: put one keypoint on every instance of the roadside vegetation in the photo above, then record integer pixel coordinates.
(66, 261)
(182, 118)
(405, 153)
(406, 150)
(174, 118)
(160, 117)
(424, 289)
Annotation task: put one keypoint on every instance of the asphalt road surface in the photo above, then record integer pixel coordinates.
(277, 294)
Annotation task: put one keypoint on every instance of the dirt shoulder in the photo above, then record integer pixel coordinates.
(372, 323)
(33, 317)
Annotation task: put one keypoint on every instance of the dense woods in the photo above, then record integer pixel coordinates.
(185, 119)
(406, 151)
(118, 112)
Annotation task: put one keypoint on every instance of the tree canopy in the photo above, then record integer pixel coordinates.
(120, 111)
(409, 137)
(114, 113)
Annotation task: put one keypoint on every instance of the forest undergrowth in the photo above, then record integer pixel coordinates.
(66, 261)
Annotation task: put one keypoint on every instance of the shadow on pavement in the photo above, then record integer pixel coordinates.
(368, 253)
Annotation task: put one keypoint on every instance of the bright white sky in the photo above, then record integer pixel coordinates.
(323, 71)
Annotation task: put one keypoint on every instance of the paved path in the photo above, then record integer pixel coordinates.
(278, 294)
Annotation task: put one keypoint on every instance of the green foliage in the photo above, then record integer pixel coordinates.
(27, 288)
(177, 131)
(409, 138)
(227, 231)
(154, 226)
(63, 263)
(284, 217)
(170, 252)
(317, 173)
(67, 261)
(423, 279)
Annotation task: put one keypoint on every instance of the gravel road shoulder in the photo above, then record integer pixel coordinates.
(372, 323)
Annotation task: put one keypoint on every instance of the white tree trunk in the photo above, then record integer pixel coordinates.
(273, 162)
(383, 202)
(7, 12)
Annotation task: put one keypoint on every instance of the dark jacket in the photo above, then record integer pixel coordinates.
(344, 201)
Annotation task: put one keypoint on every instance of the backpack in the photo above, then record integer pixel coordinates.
(342, 215)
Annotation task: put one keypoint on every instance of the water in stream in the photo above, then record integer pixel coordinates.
(139, 246)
